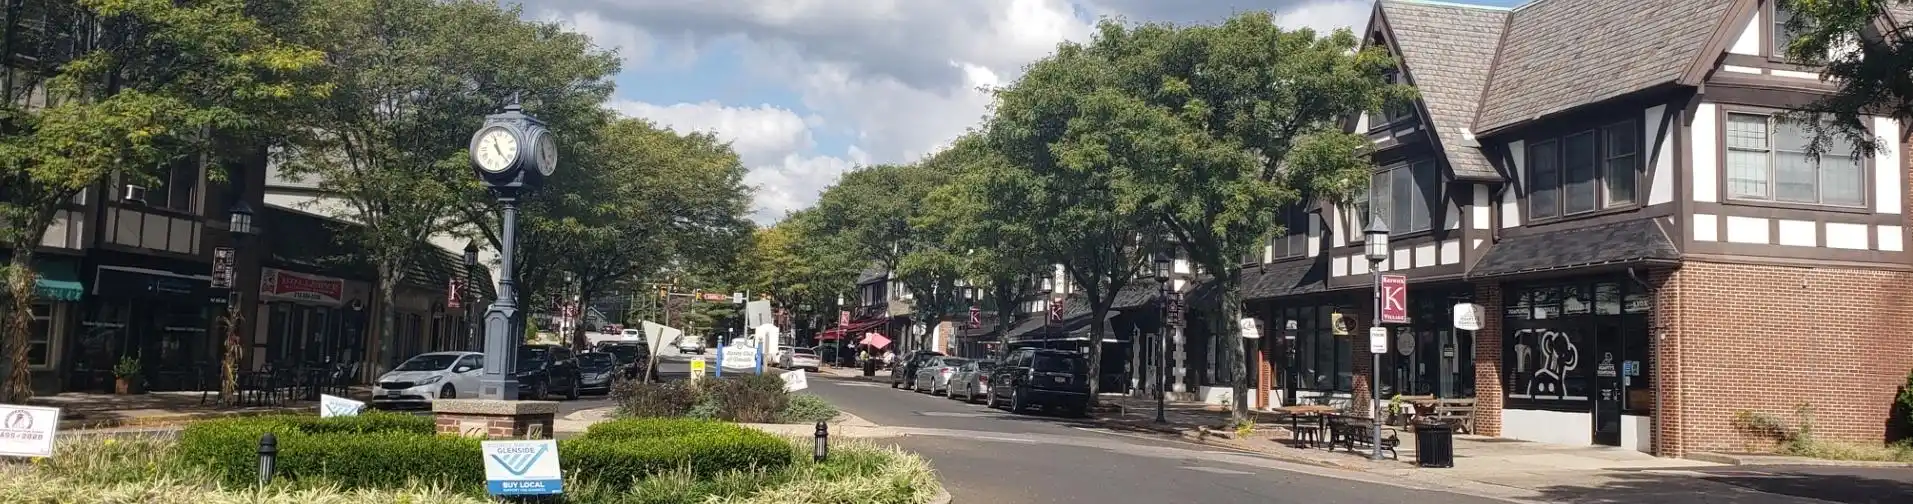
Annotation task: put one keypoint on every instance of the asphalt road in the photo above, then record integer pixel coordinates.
(986, 455)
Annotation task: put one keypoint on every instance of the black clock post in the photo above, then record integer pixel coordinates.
(512, 154)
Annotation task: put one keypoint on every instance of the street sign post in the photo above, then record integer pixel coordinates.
(1394, 299)
(1377, 340)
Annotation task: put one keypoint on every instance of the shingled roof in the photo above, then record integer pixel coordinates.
(1560, 54)
(1447, 50)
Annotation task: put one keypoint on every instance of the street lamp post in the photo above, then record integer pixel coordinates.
(1162, 336)
(512, 153)
(471, 298)
(1375, 243)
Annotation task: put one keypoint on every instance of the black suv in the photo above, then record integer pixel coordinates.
(543, 369)
(1055, 380)
(905, 374)
(632, 356)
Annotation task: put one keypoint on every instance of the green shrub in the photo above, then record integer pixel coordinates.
(371, 450)
(647, 428)
(749, 398)
(614, 461)
(669, 399)
(807, 408)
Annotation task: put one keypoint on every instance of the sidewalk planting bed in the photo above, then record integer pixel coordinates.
(746, 399)
(398, 458)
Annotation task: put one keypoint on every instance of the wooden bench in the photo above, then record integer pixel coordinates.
(1456, 413)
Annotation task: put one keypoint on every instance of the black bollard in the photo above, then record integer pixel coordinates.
(820, 448)
(268, 457)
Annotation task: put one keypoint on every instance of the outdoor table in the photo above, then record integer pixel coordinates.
(1296, 413)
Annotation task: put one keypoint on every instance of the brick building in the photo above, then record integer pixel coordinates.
(1651, 250)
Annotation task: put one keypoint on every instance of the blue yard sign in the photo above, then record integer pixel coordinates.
(522, 468)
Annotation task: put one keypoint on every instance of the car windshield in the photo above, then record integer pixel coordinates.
(1051, 363)
(596, 359)
(954, 361)
(803, 351)
(531, 355)
(624, 353)
(428, 362)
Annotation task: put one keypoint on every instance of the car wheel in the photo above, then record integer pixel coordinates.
(1016, 401)
(542, 391)
(989, 401)
(577, 384)
(448, 392)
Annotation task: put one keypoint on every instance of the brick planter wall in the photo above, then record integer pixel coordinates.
(495, 419)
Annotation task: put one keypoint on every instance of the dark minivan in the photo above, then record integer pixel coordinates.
(905, 374)
(1054, 380)
(543, 369)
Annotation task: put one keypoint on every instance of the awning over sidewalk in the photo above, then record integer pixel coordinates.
(853, 329)
(1621, 243)
(54, 278)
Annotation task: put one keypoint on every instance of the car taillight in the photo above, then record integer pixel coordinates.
(983, 380)
(946, 371)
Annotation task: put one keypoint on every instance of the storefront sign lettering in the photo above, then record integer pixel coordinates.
(1468, 316)
(285, 285)
(1394, 299)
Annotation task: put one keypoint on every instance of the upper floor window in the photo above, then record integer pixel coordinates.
(1402, 194)
(1767, 160)
(1780, 35)
(1295, 238)
(1393, 112)
(1584, 171)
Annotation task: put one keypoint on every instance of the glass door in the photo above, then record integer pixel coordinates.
(1608, 391)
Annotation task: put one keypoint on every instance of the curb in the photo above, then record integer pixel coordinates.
(168, 419)
(1735, 460)
(942, 496)
(1202, 436)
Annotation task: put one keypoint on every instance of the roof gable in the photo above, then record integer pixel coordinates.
(1445, 51)
(1561, 54)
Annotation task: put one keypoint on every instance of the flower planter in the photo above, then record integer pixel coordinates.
(128, 386)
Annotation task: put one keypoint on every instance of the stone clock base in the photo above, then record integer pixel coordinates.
(495, 419)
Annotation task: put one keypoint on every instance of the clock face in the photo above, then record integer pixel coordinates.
(547, 154)
(495, 150)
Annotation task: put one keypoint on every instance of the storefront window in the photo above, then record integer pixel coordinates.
(1561, 336)
(1321, 357)
(40, 336)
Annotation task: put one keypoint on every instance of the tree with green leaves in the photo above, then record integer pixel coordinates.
(1210, 130)
(661, 197)
(868, 213)
(415, 79)
(801, 268)
(993, 241)
(1060, 128)
(1873, 68)
(105, 90)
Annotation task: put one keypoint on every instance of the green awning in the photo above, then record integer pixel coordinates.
(56, 280)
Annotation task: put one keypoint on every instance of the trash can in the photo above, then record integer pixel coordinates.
(870, 367)
(1434, 445)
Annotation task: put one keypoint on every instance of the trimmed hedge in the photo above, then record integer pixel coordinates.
(372, 450)
(390, 451)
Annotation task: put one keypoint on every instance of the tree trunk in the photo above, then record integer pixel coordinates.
(579, 341)
(20, 285)
(388, 317)
(231, 352)
(1232, 332)
(1097, 326)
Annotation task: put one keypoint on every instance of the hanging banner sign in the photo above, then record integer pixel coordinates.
(278, 284)
(1468, 316)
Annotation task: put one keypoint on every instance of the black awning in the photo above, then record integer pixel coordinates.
(1629, 242)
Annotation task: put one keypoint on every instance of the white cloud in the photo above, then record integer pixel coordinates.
(897, 77)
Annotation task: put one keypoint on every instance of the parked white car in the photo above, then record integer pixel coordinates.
(801, 358)
(631, 335)
(690, 345)
(429, 376)
(778, 359)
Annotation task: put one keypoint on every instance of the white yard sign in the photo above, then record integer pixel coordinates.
(28, 431)
(522, 467)
(795, 381)
(738, 356)
(333, 406)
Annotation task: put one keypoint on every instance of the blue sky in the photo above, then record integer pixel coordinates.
(808, 89)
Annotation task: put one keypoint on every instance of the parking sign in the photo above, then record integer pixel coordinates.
(522, 467)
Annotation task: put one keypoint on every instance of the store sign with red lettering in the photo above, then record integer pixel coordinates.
(281, 285)
(1394, 299)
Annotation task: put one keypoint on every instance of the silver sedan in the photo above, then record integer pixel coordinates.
(934, 376)
(970, 381)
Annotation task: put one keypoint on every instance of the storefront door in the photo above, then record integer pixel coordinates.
(1607, 382)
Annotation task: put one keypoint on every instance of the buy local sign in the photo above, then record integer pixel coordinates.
(280, 284)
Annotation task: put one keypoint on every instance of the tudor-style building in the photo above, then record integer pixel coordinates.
(1653, 249)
